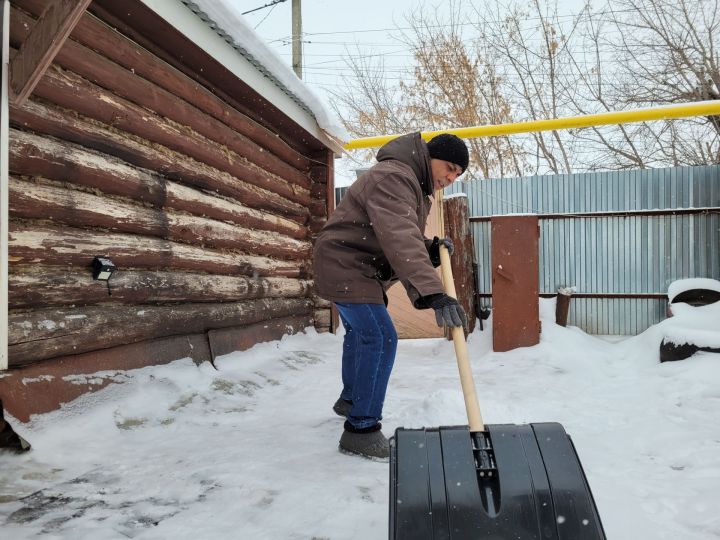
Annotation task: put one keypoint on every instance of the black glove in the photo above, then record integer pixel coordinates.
(447, 310)
(434, 249)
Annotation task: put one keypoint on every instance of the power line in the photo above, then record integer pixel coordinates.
(266, 16)
(454, 25)
(273, 3)
(409, 78)
(499, 71)
(343, 58)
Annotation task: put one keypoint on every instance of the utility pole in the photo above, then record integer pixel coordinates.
(297, 38)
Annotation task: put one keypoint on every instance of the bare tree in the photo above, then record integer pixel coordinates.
(449, 86)
(596, 91)
(627, 54)
(453, 84)
(667, 51)
(368, 103)
(527, 62)
(534, 60)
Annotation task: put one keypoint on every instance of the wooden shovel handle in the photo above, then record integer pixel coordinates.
(472, 406)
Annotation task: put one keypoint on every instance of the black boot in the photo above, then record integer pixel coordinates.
(342, 407)
(368, 442)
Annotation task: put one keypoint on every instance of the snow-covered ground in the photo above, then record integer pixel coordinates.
(250, 451)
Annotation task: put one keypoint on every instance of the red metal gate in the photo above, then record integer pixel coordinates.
(515, 281)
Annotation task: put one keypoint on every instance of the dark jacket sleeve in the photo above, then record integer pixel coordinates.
(391, 206)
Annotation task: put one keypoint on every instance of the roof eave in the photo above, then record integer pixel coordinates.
(206, 38)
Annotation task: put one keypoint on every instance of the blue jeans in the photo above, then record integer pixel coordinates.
(368, 357)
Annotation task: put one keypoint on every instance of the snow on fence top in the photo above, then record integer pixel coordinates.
(226, 20)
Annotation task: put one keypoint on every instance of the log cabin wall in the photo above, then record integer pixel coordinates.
(207, 203)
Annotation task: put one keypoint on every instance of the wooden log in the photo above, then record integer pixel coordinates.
(322, 191)
(316, 224)
(43, 286)
(126, 84)
(32, 155)
(79, 209)
(229, 340)
(457, 228)
(98, 36)
(322, 318)
(36, 244)
(67, 126)
(70, 91)
(41, 44)
(318, 208)
(143, 26)
(319, 172)
(318, 191)
(321, 302)
(42, 334)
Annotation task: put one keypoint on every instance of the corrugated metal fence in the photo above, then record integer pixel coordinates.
(620, 238)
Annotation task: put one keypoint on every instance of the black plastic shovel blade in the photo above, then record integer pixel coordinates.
(509, 482)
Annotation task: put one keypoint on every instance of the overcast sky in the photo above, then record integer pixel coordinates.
(333, 29)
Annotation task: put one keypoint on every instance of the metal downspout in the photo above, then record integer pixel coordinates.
(4, 135)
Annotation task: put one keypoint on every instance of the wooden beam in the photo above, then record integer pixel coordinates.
(61, 245)
(98, 37)
(80, 209)
(45, 119)
(32, 155)
(36, 286)
(73, 92)
(48, 333)
(39, 49)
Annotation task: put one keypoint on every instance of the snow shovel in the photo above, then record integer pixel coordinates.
(491, 482)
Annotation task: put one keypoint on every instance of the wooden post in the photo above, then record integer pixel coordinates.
(39, 49)
(457, 228)
(562, 305)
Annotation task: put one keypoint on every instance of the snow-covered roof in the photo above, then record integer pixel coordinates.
(220, 30)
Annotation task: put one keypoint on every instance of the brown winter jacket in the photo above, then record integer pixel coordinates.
(378, 227)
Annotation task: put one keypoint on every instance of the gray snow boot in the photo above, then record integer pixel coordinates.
(368, 443)
(342, 407)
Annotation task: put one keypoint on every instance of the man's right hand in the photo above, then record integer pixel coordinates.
(448, 312)
(434, 249)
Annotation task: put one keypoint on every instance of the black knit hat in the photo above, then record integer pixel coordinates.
(450, 148)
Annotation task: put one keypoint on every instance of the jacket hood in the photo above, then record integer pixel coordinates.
(411, 150)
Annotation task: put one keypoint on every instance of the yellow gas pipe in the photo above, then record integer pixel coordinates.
(684, 110)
